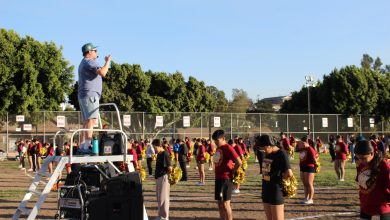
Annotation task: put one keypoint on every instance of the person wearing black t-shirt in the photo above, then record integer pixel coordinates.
(276, 166)
(163, 168)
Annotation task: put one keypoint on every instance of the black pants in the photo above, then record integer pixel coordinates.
(149, 163)
(184, 170)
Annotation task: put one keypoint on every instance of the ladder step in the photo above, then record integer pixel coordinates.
(24, 210)
(35, 192)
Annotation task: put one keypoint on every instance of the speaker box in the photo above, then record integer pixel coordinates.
(97, 208)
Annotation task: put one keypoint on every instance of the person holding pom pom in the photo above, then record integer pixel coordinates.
(276, 167)
(224, 158)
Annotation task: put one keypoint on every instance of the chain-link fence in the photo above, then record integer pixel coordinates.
(44, 125)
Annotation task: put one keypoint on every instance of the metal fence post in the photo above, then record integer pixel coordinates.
(287, 128)
(260, 123)
(231, 125)
(312, 123)
(143, 125)
(337, 124)
(201, 124)
(360, 122)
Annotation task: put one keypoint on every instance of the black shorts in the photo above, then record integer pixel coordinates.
(307, 169)
(272, 193)
(384, 216)
(223, 190)
(201, 161)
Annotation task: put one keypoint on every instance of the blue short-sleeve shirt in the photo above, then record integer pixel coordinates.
(90, 83)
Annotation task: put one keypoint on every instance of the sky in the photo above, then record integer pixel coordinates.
(263, 47)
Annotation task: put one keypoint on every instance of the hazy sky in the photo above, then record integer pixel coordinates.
(263, 47)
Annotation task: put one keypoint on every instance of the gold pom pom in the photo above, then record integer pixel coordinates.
(244, 164)
(43, 151)
(290, 187)
(172, 156)
(143, 153)
(175, 176)
(207, 156)
(142, 172)
(246, 155)
(239, 178)
(318, 166)
(154, 157)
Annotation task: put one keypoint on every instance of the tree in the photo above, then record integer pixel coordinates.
(366, 61)
(240, 102)
(35, 76)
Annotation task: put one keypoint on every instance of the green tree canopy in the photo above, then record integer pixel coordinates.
(34, 75)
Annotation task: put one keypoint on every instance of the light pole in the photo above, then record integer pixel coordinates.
(309, 82)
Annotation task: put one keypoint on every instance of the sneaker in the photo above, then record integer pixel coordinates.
(30, 170)
(309, 202)
(256, 160)
(151, 176)
(188, 166)
(304, 201)
(20, 166)
(341, 180)
(236, 191)
(210, 168)
(200, 184)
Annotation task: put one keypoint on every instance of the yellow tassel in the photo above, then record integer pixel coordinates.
(175, 176)
(142, 172)
(207, 156)
(239, 178)
(290, 187)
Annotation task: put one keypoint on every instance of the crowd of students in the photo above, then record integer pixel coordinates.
(273, 154)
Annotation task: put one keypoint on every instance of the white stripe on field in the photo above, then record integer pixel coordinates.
(319, 216)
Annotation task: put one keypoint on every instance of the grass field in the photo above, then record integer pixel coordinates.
(333, 199)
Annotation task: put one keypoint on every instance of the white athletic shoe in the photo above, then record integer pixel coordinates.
(309, 202)
(30, 170)
(341, 180)
(236, 191)
(210, 168)
(20, 166)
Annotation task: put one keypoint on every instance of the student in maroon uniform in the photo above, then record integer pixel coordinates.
(341, 157)
(50, 153)
(307, 163)
(189, 154)
(38, 147)
(210, 149)
(276, 167)
(374, 181)
(318, 144)
(237, 147)
(242, 145)
(224, 171)
(285, 142)
(201, 160)
(131, 150)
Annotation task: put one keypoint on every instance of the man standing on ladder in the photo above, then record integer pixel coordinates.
(90, 91)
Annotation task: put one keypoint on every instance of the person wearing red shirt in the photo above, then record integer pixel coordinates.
(242, 145)
(210, 150)
(190, 151)
(307, 162)
(224, 171)
(201, 160)
(38, 147)
(374, 181)
(50, 153)
(285, 142)
(318, 144)
(131, 150)
(341, 157)
(237, 147)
